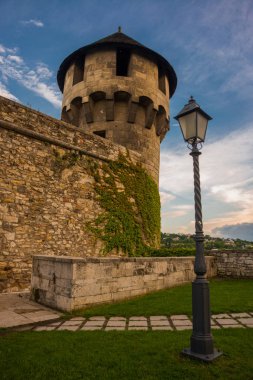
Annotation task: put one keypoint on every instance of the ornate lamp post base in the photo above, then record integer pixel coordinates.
(206, 358)
(201, 339)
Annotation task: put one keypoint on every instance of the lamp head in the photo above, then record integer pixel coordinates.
(193, 122)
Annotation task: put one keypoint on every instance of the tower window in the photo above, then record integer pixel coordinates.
(100, 133)
(122, 62)
(78, 71)
(161, 80)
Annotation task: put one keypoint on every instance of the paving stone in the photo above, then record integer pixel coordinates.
(117, 328)
(220, 316)
(227, 321)
(160, 323)
(41, 313)
(138, 323)
(183, 327)
(117, 319)
(46, 318)
(162, 328)
(137, 319)
(137, 327)
(245, 321)
(72, 323)
(99, 318)
(183, 322)
(95, 323)
(158, 318)
(91, 328)
(179, 317)
(44, 328)
(116, 323)
(233, 326)
(240, 315)
(215, 327)
(9, 319)
(67, 328)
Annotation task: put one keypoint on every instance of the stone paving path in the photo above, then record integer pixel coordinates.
(162, 322)
(18, 310)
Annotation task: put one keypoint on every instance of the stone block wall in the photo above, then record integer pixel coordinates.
(129, 110)
(69, 283)
(234, 264)
(46, 190)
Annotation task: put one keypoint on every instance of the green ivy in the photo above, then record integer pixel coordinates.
(64, 160)
(131, 204)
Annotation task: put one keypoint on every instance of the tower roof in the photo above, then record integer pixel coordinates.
(118, 39)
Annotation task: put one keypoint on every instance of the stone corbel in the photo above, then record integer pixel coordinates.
(132, 111)
(88, 114)
(109, 109)
(150, 116)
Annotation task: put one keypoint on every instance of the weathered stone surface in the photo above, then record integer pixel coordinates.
(85, 281)
(45, 201)
(234, 264)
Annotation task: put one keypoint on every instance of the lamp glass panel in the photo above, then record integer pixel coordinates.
(188, 126)
(202, 125)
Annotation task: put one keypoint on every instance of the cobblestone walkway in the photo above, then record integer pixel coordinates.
(162, 322)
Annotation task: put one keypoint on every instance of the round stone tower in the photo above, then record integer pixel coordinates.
(119, 89)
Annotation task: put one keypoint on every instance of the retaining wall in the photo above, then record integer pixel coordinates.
(69, 283)
(234, 264)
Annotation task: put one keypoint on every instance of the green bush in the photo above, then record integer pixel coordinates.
(173, 251)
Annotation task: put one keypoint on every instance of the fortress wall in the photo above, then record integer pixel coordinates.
(46, 191)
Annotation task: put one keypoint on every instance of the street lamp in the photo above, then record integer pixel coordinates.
(193, 123)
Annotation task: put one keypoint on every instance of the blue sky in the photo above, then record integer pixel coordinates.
(210, 46)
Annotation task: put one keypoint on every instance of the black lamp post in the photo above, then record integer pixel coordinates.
(193, 123)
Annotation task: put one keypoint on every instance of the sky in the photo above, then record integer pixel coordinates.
(209, 43)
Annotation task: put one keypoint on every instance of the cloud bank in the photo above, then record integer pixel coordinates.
(226, 172)
(242, 231)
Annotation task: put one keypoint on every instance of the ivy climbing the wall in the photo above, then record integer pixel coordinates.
(131, 203)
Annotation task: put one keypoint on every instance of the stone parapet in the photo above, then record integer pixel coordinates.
(68, 283)
(234, 264)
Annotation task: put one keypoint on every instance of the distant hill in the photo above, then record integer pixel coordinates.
(211, 243)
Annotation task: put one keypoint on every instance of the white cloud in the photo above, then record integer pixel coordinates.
(6, 93)
(34, 22)
(164, 197)
(226, 173)
(36, 80)
(15, 58)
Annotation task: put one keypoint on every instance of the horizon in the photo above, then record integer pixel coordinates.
(205, 44)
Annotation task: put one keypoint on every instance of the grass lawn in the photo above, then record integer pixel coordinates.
(101, 355)
(140, 355)
(226, 296)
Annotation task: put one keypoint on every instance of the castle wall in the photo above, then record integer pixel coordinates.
(47, 190)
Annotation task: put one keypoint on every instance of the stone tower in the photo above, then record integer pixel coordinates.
(119, 89)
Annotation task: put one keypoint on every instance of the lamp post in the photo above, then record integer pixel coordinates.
(193, 123)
